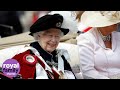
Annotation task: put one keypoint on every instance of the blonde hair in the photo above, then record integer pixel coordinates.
(78, 15)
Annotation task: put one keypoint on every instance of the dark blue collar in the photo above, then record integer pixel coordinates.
(45, 55)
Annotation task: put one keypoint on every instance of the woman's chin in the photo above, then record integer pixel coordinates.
(50, 50)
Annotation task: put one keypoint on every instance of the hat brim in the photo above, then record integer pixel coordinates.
(95, 19)
(65, 31)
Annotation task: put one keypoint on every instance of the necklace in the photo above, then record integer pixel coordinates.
(105, 38)
(52, 63)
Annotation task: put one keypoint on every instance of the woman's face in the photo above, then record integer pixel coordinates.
(49, 39)
(109, 28)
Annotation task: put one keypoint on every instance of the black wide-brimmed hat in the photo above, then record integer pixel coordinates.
(48, 21)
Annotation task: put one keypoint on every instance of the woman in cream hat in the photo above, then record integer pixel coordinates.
(100, 46)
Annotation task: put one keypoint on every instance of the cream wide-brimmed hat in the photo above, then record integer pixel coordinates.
(100, 18)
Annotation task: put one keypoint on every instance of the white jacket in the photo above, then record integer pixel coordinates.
(96, 60)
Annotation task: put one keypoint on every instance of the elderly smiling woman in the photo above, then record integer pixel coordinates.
(41, 59)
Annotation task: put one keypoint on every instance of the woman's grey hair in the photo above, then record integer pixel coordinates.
(37, 34)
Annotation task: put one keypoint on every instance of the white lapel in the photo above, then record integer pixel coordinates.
(60, 64)
(60, 60)
(115, 36)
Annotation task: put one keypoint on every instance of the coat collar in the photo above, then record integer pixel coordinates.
(46, 56)
(100, 41)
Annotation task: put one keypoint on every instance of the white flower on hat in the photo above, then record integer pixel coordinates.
(69, 20)
(111, 15)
